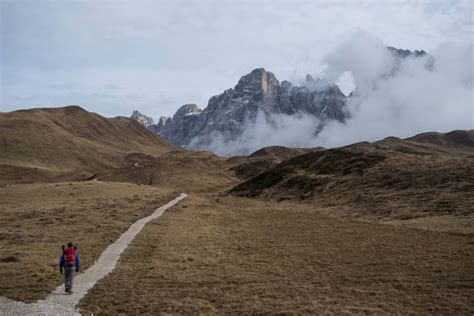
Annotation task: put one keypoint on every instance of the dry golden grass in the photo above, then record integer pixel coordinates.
(185, 171)
(312, 243)
(231, 255)
(58, 144)
(38, 218)
(373, 184)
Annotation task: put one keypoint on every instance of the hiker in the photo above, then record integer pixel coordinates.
(69, 262)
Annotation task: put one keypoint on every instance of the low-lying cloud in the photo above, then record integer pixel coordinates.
(394, 97)
(416, 98)
(268, 130)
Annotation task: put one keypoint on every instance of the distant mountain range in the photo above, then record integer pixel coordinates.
(259, 92)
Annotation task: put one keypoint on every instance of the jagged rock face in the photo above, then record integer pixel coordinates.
(319, 98)
(182, 124)
(142, 119)
(156, 128)
(228, 113)
(403, 53)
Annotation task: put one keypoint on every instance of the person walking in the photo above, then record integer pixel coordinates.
(69, 263)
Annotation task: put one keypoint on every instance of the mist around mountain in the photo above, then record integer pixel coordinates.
(398, 92)
(257, 99)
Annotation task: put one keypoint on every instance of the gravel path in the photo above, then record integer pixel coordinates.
(58, 303)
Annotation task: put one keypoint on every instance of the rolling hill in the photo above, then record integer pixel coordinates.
(246, 167)
(69, 143)
(429, 174)
(182, 171)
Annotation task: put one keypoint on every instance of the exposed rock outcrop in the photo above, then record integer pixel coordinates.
(142, 119)
(257, 92)
(181, 125)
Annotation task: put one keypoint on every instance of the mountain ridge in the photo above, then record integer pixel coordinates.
(258, 95)
(256, 92)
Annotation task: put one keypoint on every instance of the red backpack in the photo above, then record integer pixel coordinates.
(71, 256)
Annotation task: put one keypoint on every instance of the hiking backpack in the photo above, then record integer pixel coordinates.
(71, 256)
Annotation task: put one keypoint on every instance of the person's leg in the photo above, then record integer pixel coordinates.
(71, 277)
(66, 270)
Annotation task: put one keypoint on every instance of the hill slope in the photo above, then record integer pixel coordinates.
(182, 171)
(393, 178)
(246, 167)
(51, 143)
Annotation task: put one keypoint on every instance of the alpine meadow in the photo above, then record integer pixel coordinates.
(236, 157)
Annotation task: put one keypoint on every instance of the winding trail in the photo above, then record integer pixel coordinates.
(58, 303)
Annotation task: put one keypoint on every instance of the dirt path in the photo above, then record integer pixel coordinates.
(59, 303)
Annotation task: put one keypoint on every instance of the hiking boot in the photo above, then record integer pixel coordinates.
(66, 290)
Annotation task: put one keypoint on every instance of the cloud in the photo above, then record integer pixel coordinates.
(168, 53)
(266, 130)
(365, 57)
(413, 99)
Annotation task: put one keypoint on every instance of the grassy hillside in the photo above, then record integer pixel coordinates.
(284, 241)
(184, 171)
(50, 143)
(264, 159)
(393, 178)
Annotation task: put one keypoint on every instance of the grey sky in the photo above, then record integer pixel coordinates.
(115, 56)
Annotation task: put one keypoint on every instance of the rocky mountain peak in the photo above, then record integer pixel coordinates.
(403, 53)
(179, 127)
(187, 109)
(259, 81)
(310, 83)
(142, 119)
(163, 120)
(259, 91)
(309, 79)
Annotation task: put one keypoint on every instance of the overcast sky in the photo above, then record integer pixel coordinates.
(115, 56)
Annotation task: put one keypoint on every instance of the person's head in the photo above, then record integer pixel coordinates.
(69, 244)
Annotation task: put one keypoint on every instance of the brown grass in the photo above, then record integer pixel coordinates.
(38, 218)
(185, 171)
(373, 185)
(312, 243)
(235, 255)
(54, 144)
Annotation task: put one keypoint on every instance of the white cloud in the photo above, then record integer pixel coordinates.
(412, 100)
(166, 53)
(283, 130)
